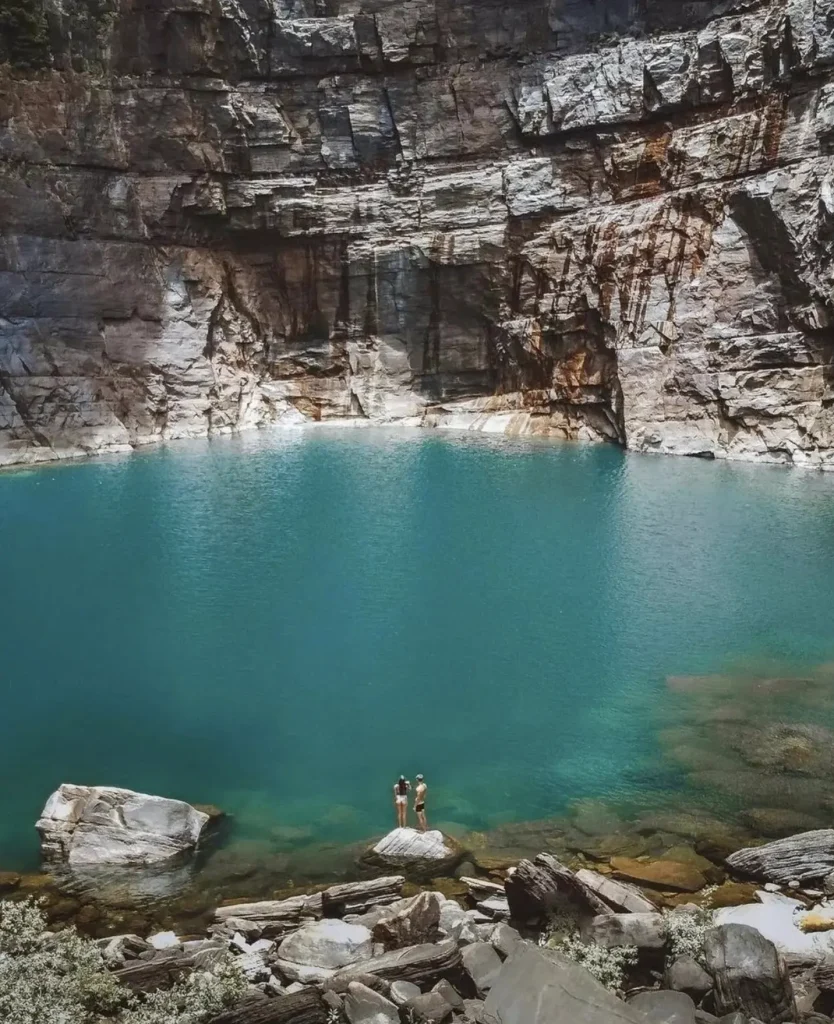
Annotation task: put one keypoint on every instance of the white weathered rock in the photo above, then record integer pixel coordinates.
(329, 944)
(407, 846)
(164, 940)
(777, 918)
(99, 825)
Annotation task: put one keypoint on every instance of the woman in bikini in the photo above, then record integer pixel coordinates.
(401, 788)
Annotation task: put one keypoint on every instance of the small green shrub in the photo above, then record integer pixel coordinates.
(61, 978)
(24, 34)
(686, 929)
(608, 966)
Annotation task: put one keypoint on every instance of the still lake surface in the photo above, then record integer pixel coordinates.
(280, 624)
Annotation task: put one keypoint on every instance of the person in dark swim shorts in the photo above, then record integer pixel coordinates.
(420, 802)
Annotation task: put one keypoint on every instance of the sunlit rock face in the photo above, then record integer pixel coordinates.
(596, 220)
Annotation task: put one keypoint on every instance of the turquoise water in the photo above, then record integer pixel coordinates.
(280, 624)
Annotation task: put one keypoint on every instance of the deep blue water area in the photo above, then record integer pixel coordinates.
(280, 624)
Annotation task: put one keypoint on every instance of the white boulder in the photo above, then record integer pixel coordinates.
(778, 918)
(328, 944)
(101, 825)
(405, 845)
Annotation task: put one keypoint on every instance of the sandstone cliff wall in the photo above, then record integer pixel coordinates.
(605, 219)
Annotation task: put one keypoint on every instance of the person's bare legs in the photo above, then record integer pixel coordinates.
(421, 821)
(402, 808)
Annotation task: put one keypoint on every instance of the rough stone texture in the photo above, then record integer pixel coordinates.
(749, 975)
(100, 825)
(328, 944)
(686, 975)
(416, 921)
(423, 964)
(538, 987)
(664, 1007)
(539, 888)
(618, 895)
(418, 853)
(482, 964)
(364, 1006)
(592, 220)
(645, 931)
(806, 857)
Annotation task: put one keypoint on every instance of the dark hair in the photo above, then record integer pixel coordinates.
(402, 785)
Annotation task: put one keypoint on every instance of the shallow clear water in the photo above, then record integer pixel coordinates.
(280, 624)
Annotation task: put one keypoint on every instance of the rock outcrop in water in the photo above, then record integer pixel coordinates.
(86, 826)
(605, 220)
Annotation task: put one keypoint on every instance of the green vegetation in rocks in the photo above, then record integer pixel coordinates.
(62, 978)
(90, 23)
(24, 34)
(37, 34)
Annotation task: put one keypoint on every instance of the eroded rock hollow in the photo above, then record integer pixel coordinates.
(601, 219)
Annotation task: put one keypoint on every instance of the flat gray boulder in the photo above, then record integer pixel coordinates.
(99, 825)
(482, 964)
(329, 944)
(806, 857)
(537, 986)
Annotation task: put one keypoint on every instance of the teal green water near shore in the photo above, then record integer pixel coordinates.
(280, 624)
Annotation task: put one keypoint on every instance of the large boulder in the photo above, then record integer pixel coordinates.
(419, 854)
(807, 857)
(537, 986)
(323, 947)
(748, 974)
(101, 825)
(544, 887)
(410, 922)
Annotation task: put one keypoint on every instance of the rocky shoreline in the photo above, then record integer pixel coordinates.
(431, 929)
(510, 944)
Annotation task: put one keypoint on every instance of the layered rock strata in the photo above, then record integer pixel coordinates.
(596, 220)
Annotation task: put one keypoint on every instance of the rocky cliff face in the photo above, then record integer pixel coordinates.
(601, 219)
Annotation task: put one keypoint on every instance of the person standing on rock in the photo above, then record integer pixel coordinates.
(420, 802)
(401, 788)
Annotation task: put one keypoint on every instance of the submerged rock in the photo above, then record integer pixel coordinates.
(100, 825)
(659, 874)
